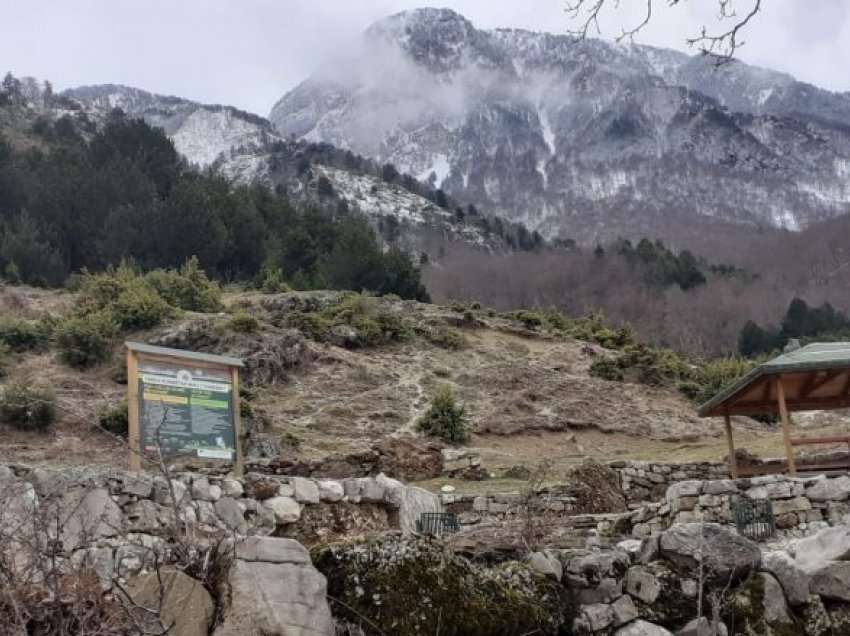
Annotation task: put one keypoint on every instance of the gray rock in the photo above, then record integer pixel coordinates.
(702, 627)
(793, 579)
(229, 511)
(285, 509)
(830, 544)
(775, 490)
(832, 581)
(642, 628)
(641, 584)
(606, 590)
(631, 547)
(410, 501)
(145, 516)
(162, 494)
(232, 488)
(594, 618)
(330, 490)
(204, 491)
(181, 601)
(724, 552)
(138, 485)
(272, 550)
(649, 550)
(680, 489)
(546, 563)
(835, 489)
(87, 515)
(720, 487)
(776, 611)
(305, 490)
(286, 597)
(624, 610)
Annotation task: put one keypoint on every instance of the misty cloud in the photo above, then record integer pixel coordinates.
(250, 53)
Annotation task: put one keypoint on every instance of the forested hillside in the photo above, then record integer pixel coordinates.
(71, 199)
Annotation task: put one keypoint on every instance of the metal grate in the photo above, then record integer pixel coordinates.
(754, 517)
(437, 523)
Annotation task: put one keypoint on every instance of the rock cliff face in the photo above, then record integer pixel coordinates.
(586, 140)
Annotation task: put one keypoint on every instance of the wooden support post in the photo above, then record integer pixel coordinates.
(786, 427)
(733, 461)
(133, 441)
(238, 468)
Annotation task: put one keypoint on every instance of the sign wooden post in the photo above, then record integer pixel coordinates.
(786, 427)
(733, 461)
(182, 404)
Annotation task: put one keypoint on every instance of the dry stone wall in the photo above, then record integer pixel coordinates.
(649, 481)
(801, 506)
(116, 521)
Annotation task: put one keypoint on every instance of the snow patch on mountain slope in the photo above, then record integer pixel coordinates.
(204, 135)
(378, 198)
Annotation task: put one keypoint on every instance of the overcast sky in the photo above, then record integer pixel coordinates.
(249, 52)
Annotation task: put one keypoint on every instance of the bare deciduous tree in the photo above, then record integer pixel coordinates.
(720, 43)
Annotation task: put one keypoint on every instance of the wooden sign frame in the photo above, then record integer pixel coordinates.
(143, 353)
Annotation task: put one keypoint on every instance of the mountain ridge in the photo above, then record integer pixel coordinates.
(567, 136)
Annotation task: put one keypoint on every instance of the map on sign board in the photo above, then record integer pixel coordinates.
(186, 411)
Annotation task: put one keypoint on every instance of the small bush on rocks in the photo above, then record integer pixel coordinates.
(115, 419)
(243, 322)
(24, 335)
(445, 418)
(84, 341)
(26, 407)
(188, 288)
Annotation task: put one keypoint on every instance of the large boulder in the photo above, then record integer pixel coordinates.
(837, 489)
(182, 604)
(794, 580)
(409, 501)
(830, 544)
(642, 628)
(274, 590)
(832, 581)
(724, 553)
(85, 515)
(702, 627)
(759, 608)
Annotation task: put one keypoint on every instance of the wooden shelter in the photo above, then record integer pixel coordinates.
(812, 378)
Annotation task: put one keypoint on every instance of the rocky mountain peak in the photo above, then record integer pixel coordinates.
(583, 139)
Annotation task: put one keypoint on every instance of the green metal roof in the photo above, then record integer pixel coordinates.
(226, 361)
(818, 356)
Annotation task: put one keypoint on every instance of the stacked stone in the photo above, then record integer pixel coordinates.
(648, 481)
(119, 522)
(801, 506)
(475, 508)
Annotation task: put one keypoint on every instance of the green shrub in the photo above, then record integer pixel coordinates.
(270, 281)
(188, 288)
(607, 369)
(4, 359)
(714, 375)
(444, 337)
(374, 324)
(26, 407)
(24, 335)
(243, 322)
(115, 419)
(139, 306)
(445, 418)
(84, 341)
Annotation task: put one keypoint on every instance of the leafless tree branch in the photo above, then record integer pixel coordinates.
(720, 45)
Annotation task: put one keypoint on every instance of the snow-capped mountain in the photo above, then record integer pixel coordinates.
(245, 149)
(581, 139)
(200, 132)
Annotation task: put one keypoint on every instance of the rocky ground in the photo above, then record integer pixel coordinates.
(528, 394)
